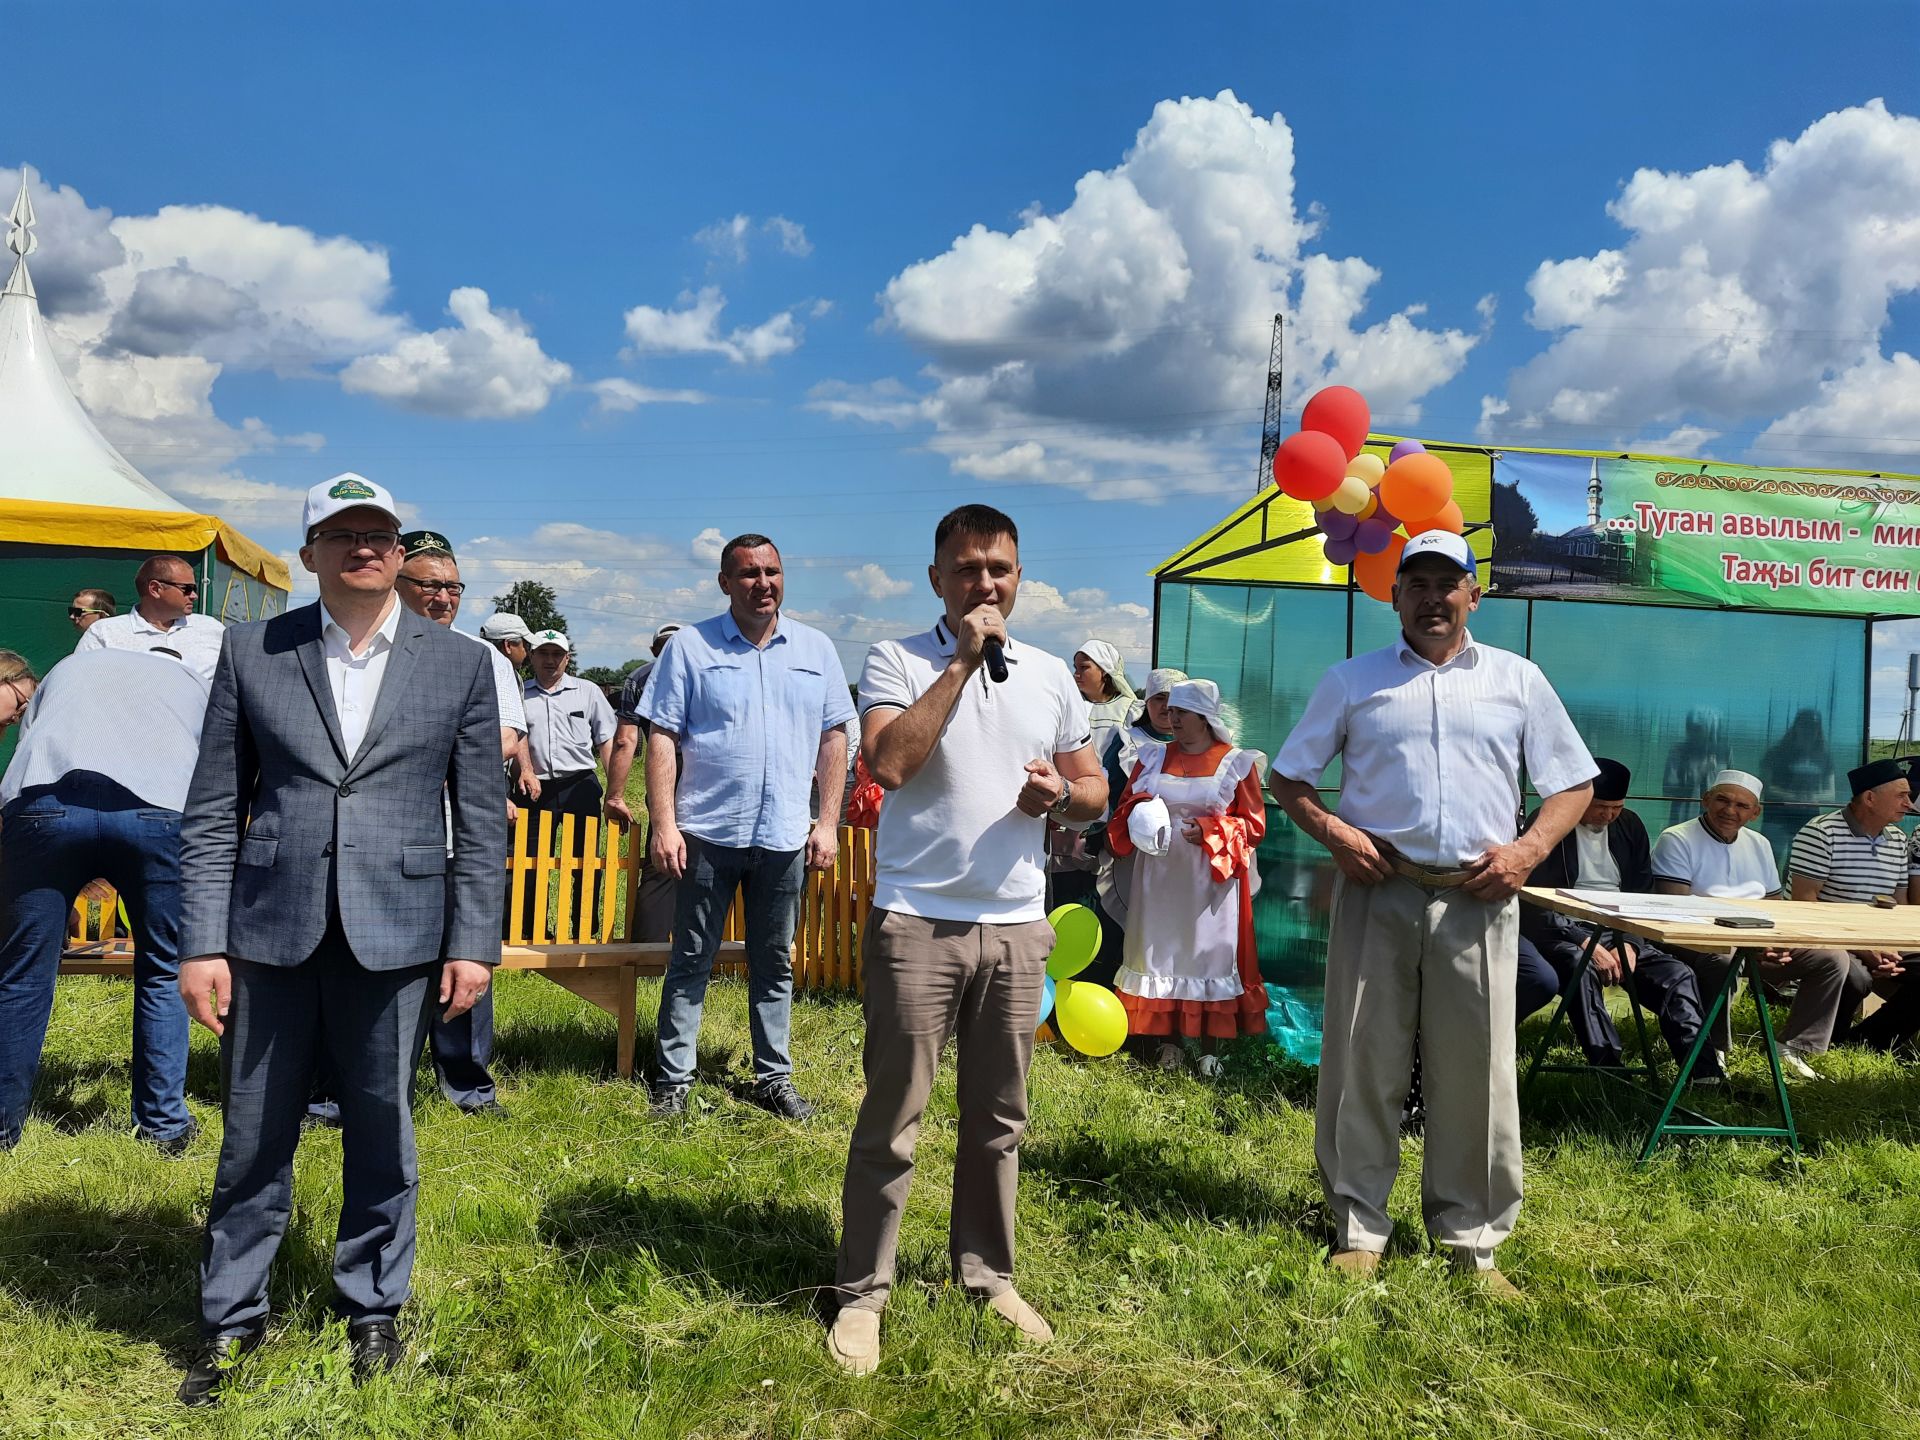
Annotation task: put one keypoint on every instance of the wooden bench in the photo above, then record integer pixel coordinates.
(607, 976)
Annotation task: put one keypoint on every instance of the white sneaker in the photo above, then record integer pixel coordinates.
(1793, 1065)
(1209, 1067)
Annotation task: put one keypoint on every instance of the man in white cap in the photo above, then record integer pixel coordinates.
(1721, 853)
(569, 726)
(327, 913)
(163, 614)
(1433, 731)
(656, 899)
(508, 634)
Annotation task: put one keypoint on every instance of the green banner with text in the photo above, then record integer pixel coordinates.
(1667, 531)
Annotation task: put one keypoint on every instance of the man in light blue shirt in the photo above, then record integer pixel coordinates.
(751, 709)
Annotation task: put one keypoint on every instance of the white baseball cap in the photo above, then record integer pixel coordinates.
(504, 626)
(345, 492)
(1445, 544)
(551, 637)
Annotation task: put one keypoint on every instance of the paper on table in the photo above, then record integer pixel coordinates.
(1702, 908)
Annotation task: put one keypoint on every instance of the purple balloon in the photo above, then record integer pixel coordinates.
(1371, 537)
(1337, 525)
(1380, 512)
(1338, 552)
(1405, 447)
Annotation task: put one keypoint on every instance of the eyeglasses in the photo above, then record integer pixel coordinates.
(381, 542)
(437, 587)
(189, 588)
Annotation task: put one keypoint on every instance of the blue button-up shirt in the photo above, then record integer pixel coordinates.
(749, 721)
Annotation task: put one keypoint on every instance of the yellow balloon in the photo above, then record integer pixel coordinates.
(1365, 512)
(1351, 496)
(1368, 467)
(1323, 504)
(1090, 1017)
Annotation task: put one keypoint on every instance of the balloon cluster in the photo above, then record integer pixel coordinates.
(1363, 503)
(1090, 1017)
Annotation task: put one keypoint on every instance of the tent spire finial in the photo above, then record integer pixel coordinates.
(21, 240)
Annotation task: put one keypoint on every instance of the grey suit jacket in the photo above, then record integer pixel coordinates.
(277, 813)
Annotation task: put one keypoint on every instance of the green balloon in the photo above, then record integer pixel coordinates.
(1076, 940)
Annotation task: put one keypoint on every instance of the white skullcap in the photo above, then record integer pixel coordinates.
(1107, 656)
(1748, 783)
(1202, 697)
(1159, 682)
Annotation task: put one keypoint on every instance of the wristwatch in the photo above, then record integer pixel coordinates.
(1064, 803)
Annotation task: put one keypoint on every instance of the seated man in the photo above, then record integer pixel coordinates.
(1608, 850)
(1859, 856)
(1718, 854)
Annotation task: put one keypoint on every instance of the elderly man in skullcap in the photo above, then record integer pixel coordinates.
(1719, 853)
(1608, 850)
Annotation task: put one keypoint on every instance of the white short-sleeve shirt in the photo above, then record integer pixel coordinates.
(952, 844)
(195, 637)
(1739, 869)
(1432, 753)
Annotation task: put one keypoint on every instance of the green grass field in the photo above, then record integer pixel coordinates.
(587, 1271)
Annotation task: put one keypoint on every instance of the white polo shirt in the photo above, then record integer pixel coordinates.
(952, 844)
(196, 637)
(1738, 869)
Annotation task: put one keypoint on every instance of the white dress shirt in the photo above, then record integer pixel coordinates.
(355, 679)
(196, 637)
(1432, 754)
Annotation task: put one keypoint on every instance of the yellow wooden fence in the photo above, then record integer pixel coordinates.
(826, 941)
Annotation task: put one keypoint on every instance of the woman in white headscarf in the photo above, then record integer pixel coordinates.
(1192, 816)
(1115, 879)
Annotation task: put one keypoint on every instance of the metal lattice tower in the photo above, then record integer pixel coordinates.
(1270, 420)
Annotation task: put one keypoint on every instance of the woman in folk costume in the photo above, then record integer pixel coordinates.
(1192, 815)
(1115, 876)
(1073, 853)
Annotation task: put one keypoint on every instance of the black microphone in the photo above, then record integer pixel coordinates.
(995, 654)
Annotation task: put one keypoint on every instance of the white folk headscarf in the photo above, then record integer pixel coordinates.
(1202, 697)
(1161, 681)
(1107, 657)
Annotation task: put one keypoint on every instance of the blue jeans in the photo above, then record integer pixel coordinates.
(53, 841)
(770, 881)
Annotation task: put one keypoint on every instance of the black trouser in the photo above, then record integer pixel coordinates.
(1662, 984)
(1895, 1023)
(576, 793)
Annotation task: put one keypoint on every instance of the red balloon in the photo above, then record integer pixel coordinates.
(1342, 413)
(1309, 465)
(1416, 486)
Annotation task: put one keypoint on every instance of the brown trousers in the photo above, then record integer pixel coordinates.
(927, 980)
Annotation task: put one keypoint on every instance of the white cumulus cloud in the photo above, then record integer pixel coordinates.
(706, 546)
(619, 395)
(732, 238)
(1142, 311)
(487, 365)
(692, 327)
(1739, 296)
(875, 583)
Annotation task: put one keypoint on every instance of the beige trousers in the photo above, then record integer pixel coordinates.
(1401, 961)
(927, 980)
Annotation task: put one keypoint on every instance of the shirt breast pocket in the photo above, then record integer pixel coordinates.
(725, 686)
(1499, 726)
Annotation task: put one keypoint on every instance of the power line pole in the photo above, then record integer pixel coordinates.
(1270, 420)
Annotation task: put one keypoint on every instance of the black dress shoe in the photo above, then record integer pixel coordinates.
(490, 1109)
(215, 1362)
(375, 1346)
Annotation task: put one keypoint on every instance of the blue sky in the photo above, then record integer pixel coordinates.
(266, 213)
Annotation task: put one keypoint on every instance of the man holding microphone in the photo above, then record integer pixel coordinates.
(977, 740)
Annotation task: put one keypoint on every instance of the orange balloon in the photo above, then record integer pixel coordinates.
(1374, 573)
(1416, 486)
(1449, 518)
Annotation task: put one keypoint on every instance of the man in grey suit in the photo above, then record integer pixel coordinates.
(327, 912)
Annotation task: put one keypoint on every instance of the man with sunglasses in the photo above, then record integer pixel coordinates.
(89, 607)
(163, 615)
(331, 910)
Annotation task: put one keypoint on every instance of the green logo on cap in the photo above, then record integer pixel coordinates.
(352, 490)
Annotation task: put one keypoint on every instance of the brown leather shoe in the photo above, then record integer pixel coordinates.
(1498, 1286)
(1354, 1262)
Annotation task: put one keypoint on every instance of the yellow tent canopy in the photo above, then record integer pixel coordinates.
(43, 522)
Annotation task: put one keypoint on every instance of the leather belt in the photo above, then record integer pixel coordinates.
(1426, 876)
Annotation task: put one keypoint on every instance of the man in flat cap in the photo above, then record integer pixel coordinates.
(1857, 855)
(1608, 850)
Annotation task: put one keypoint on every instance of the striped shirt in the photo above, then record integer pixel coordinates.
(1852, 868)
